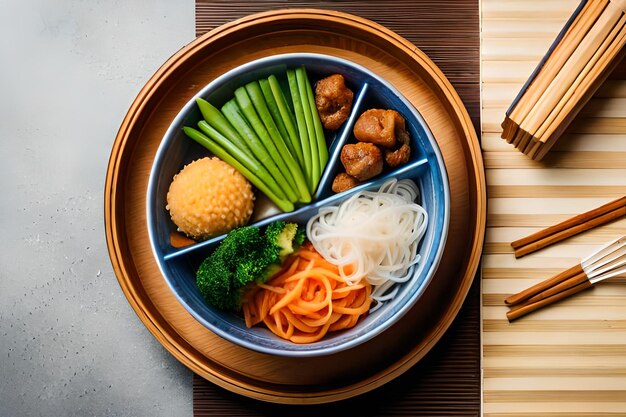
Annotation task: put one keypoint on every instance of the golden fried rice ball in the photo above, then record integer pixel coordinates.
(208, 198)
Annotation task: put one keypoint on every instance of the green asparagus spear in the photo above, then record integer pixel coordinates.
(320, 139)
(310, 127)
(247, 108)
(288, 119)
(251, 163)
(236, 118)
(301, 124)
(272, 106)
(214, 148)
(256, 97)
(216, 119)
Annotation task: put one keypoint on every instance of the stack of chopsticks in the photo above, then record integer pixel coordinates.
(581, 58)
(608, 262)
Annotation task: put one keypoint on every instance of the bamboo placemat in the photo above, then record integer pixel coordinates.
(447, 381)
(569, 358)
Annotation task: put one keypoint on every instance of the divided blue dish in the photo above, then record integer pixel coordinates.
(425, 167)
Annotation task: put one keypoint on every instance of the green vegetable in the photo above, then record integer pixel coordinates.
(302, 81)
(256, 96)
(278, 120)
(250, 163)
(217, 120)
(301, 124)
(244, 258)
(283, 236)
(234, 116)
(322, 148)
(280, 240)
(277, 143)
(218, 151)
(216, 276)
(288, 119)
(248, 110)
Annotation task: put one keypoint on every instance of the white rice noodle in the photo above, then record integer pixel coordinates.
(373, 234)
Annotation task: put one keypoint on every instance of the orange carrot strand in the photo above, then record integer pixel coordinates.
(307, 299)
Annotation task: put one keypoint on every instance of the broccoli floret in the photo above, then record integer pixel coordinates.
(245, 257)
(300, 236)
(254, 269)
(279, 243)
(215, 285)
(282, 235)
(216, 275)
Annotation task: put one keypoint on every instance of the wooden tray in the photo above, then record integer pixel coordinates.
(289, 380)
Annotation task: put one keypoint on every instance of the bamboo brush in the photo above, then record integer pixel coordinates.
(608, 262)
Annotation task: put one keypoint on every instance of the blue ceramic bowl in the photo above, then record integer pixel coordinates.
(426, 168)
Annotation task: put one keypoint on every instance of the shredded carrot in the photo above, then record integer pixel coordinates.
(307, 299)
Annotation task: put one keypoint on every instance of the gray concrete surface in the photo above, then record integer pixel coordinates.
(70, 344)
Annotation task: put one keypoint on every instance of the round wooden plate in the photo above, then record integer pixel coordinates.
(256, 375)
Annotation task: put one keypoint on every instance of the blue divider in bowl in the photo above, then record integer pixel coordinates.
(426, 168)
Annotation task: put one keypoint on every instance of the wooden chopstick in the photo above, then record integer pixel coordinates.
(526, 308)
(564, 234)
(570, 227)
(544, 285)
(563, 286)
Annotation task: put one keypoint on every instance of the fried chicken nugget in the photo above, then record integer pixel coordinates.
(362, 160)
(333, 101)
(343, 182)
(400, 156)
(380, 127)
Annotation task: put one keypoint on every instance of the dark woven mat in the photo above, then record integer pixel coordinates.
(447, 381)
